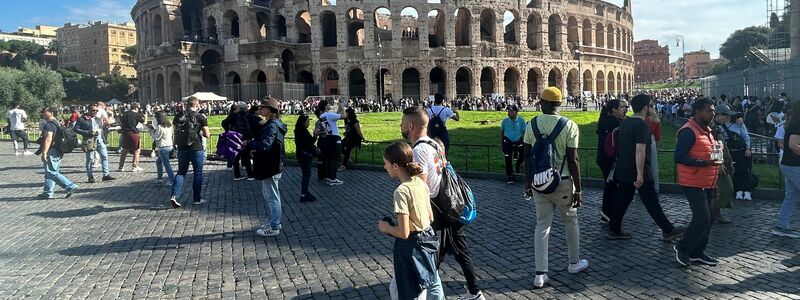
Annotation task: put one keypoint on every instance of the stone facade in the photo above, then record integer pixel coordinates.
(652, 61)
(246, 49)
(698, 63)
(97, 48)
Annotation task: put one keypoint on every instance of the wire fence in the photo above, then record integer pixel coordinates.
(770, 80)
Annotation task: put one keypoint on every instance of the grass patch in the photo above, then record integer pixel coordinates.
(659, 86)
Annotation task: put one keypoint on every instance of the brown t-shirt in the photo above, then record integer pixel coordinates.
(412, 198)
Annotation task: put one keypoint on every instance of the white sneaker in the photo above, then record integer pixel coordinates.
(157, 181)
(540, 280)
(739, 196)
(265, 231)
(136, 169)
(747, 196)
(578, 267)
(468, 296)
(27, 153)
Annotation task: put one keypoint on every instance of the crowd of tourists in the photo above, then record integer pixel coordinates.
(706, 152)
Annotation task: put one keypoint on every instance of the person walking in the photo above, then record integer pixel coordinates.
(415, 269)
(306, 150)
(163, 135)
(790, 167)
(438, 114)
(16, 125)
(431, 156)
(512, 129)
(269, 155)
(654, 123)
(567, 196)
(352, 136)
(698, 168)
(237, 121)
(332, 142)
(723, 198)
(51, 156)
(611, 114)
(633, 175)
(129, 137)
(92, 135)
(190, 129)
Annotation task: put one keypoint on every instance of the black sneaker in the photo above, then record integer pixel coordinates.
(704, 259)
(618, 236)
(108, 178)
(70, 191)
(681, 257)
(307, 198)
(91, 179)
(198, 202)
(510, 180)
(676, 233)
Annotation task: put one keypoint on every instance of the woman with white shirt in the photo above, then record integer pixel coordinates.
(162, 133)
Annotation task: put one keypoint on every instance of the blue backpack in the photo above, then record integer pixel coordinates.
(541, 161)
(455, 202)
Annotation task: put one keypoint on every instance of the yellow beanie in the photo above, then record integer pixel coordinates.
(551, 94)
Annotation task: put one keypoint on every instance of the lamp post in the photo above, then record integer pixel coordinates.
(681, 41)
(578, 53)
(380, 70)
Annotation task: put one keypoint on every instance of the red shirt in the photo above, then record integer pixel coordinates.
(74, 117)
(655, 129)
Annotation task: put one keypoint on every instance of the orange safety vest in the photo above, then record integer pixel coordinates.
(699, 177)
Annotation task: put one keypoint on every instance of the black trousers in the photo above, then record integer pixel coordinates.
(347, 148)
(305, 167)
(609, 192)
(243, 159)
(333, 150)
(647, 193)
(695, 239)
(452, 240)
(510, 150)
(742, 167)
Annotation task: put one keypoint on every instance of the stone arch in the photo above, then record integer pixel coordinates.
(511, 27)
(554, 78)
(534, 4)
(411, 86)
(158, 39)
(330, 82)
(232, 21)
(409, 23)
(175, 87)
(280, 27)
(438, 81)
(210, 61)
(258, 76)
(534, 31)
(383, 24)
(160, 88)
(572, 32)
(192, 17)
(573, 83)
(600, 82)
(385, 82)
(305, 77)
(233, 84)
(463, 82)
(211, 28)
(288, 64)
(554, 32)
(327, 20)
(599, 36)
(263, 25)
(463, 27)
(355, 27)
(488, 25)
(534, 77)
(357, 84)
(511, 82)
(487, 80)
(588, 81)
(587, 32)
(258, 80)
(619, 83)
(302, 24)
(611, 80)
(436, 28)
(611, 37)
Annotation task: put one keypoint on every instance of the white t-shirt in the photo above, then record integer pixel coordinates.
(15, 117)
(329, 122)
(776, 115)
(444, 112)
(432, 165)
(99, 116)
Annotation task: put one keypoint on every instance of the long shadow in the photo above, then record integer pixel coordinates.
(153, 243)
(20, 185)
(3, 169)
(379, 290)
(89, 211)
(779, 282)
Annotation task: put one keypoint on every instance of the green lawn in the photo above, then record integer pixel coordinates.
(658, 86)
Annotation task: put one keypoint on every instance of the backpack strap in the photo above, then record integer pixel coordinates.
(432, 144)
(562, 122)
(436, 115)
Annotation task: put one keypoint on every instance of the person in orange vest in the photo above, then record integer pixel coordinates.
(698, 156)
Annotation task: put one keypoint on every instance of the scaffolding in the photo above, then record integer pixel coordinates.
(778, 50)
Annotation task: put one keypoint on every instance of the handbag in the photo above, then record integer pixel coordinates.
(89, 144)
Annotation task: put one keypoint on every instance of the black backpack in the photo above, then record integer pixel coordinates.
(241, 125)
(65, 139)
(453, 193)
(541, 167)
(187, 129)
(436, 125)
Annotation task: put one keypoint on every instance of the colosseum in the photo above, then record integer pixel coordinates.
(246, 49)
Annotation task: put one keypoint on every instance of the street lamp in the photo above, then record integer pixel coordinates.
(578, 53)
(380, 70)
(681, 41)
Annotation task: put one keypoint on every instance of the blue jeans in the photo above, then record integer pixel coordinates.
(103, 151)
(196, 158)
(162, 163)
(269, 188)
(792, 186)
(52, 174)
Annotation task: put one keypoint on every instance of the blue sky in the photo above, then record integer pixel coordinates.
(704, 23)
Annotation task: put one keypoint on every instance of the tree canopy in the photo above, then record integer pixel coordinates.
(32, 86)
(736, 47)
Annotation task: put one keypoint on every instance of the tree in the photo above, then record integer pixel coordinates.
(129, 55)
(24, 50)
(56, 47)
(737, 46)
(32, 86)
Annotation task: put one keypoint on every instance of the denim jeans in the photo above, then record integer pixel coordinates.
(695, 239)
(272, 195)
(436, 292)
(196, 158)
(52, 175)
(103, 152)
(792, 177)
(163, 163)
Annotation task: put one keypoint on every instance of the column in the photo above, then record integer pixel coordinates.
(450, 84)
(371, 84)
(523, 33)
(424, 82)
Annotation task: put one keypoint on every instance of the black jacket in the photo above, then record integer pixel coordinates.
(304, 142)
(230, 123)
(84, 126)
(270, 150)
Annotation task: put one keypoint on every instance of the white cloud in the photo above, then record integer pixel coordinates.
(100, 10)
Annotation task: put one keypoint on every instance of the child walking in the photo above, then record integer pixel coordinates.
(415, 241)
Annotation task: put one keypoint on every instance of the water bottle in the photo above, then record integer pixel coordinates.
(716, 152)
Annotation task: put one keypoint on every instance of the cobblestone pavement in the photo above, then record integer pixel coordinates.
(119, 240)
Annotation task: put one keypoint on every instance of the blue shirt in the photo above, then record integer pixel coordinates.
(513, 130)
(741, 130)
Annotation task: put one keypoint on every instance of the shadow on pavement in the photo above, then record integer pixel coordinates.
(153, 243)
(89, 211)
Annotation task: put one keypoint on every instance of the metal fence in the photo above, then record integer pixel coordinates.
(763, 81)
(280, 90)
